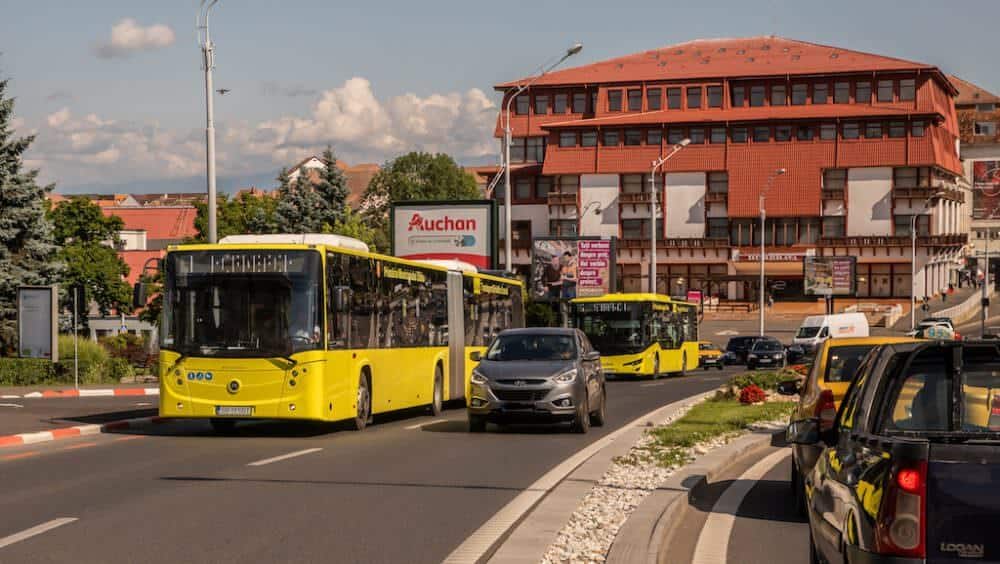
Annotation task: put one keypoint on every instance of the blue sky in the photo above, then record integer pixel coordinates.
(374, 78)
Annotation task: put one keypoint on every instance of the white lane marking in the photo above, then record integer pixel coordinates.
(284, 456)
(9, 396)
(727, 332)
(36, 530)
(475, 547)
(10, 405)
(143, 404)
(651, 384)
(713, 542)
(419, 425)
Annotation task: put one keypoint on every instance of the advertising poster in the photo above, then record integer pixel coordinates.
(567, 268)
(463, 231)
(829, 276)
(985, 187)
(37, 323)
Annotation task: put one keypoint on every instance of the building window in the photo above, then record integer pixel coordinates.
(784, 232)
(718, 228)
(567, 139)
(917, 128)
(902, 225)
(673, 98)
(805, 133)
(654, 136)
(696, 135)
(873, 130)
(543, 185)
(842, 93)
(835, 179)
(579, 102)
(783, 133)
(778, 95)
(756, 96)
(897, 129)
(863, 92)
(535, 150)
(834, 226)
(639, 228)
(885, 90)
(739, 134)
(694, 97)
(907, 89)
(541, 104)
(828, 131)
(985, 128)
(517, 150)
(910, 177)
(761, 134)
(614, 100)
(718, 182)
(522, 189)
(986, 107)
(633, 137)
(851, 130)
(521, 231)
(522, 105)
(633, 183)
(740, 232)
(808, 230)
(738, 94)
(562, 227)
(593, 101)
(610, 137)
(820, 92)
(714, 96)
(588, 138)
(653, 98)
(568, 184)
(635, 100)
(675, 135)
(718, 135)
(559, 102)
(800, 92)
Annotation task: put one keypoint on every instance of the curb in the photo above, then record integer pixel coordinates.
(645, 532)
(86, 393)
(77, 431)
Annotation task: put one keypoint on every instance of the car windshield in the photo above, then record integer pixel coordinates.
(532, 346)
(767, 346)
(842, 362)
(739, 344)
(706, 347)
(807, 332)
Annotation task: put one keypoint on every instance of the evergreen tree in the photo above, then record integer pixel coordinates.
(332, 188)
(27, 250)
(300, 207)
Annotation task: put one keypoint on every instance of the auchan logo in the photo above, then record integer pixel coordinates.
(446, 223)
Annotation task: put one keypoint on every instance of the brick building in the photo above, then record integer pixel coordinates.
(865, 140)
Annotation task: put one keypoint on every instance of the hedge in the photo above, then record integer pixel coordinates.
(26, 372)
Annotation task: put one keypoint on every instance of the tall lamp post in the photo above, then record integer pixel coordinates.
(508, 250)
(763, 214)
(928, 203)
(652, 211)
(208, 60)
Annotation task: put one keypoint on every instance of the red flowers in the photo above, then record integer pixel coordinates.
(752, 394)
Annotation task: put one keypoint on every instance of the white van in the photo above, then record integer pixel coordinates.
(817, 328)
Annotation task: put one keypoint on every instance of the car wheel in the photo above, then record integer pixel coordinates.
(437, 399)
(477, 423)
(364, 404)
(581, 423)
(598, 417)
(721, 367)
(223, 426)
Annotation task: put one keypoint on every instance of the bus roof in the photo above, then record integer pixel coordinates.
(632, 297)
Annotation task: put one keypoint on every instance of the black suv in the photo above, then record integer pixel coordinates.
(737, 349)
(911, 460)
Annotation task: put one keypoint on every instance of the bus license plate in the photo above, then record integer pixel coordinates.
(234, 410)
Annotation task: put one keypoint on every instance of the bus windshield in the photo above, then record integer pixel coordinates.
(615, 327)
(242, 303)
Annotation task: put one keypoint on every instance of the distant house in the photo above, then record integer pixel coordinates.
(163, 225)
(358, 176)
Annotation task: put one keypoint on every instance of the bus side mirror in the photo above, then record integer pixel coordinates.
(475, 356)
(139, 295)
(341, 299)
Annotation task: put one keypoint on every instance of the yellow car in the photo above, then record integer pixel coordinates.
(709, 355)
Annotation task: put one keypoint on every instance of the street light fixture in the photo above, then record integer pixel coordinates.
(652, 211)
(208, 59)
(763, 214)
(508, 250)
(928, 203)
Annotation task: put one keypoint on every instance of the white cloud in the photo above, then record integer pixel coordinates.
(91, 149)
(127, 37)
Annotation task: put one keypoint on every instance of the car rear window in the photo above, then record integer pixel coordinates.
(842, 362)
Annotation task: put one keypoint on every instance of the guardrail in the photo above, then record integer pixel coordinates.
(964, 311)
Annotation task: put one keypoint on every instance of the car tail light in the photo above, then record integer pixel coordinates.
(957, 336)
(900, 529)
(826, 410)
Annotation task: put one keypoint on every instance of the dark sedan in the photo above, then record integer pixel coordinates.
(767, 352)
(538, 375)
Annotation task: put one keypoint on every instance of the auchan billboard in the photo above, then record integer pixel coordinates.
(463, 230)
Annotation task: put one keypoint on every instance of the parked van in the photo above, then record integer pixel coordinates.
(817, 328)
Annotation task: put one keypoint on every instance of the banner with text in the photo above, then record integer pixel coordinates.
(829, 276)
(567, 268)
(463, 231)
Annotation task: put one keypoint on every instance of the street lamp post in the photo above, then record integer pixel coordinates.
(508, 250)
(652, 211)
(208, 59)
(763, 216)
(913, 257)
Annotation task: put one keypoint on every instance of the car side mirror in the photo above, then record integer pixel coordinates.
(789, 388)
(475, 356)
(592, 356)
(341, 299)
(139, 295)
(804, 432)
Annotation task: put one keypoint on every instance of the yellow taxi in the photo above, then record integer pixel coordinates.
(709, 355)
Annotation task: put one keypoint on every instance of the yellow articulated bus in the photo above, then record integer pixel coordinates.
(640, 334)
(315, 327)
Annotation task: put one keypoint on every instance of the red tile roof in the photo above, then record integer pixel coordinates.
(969, 93)
(135, 261)
(728, 58)
(160, 222)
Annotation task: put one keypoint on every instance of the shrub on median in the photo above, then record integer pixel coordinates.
(765, 380)
(26, 372)
(94, 361)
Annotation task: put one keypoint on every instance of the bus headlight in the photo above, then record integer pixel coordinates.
(567, 376)
(478, 378)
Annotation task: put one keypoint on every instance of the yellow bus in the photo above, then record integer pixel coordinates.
(640, 334)
(316, 327)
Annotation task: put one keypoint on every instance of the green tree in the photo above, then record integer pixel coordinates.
(245, 213)
(27, 249)
(300, 207)
(352, 224)
(332, 188)
(414, 176)
(78, 220)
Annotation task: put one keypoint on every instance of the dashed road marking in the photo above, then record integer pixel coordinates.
(284, 456)
(651, 384)
(36, 530)
(419, 425)
(14, 405)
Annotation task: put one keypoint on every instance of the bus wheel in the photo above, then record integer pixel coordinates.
(364, 404)
(223, 426)
(437, 399)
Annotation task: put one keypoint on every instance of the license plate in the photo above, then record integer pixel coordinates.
(765, 360)
(234, 410)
